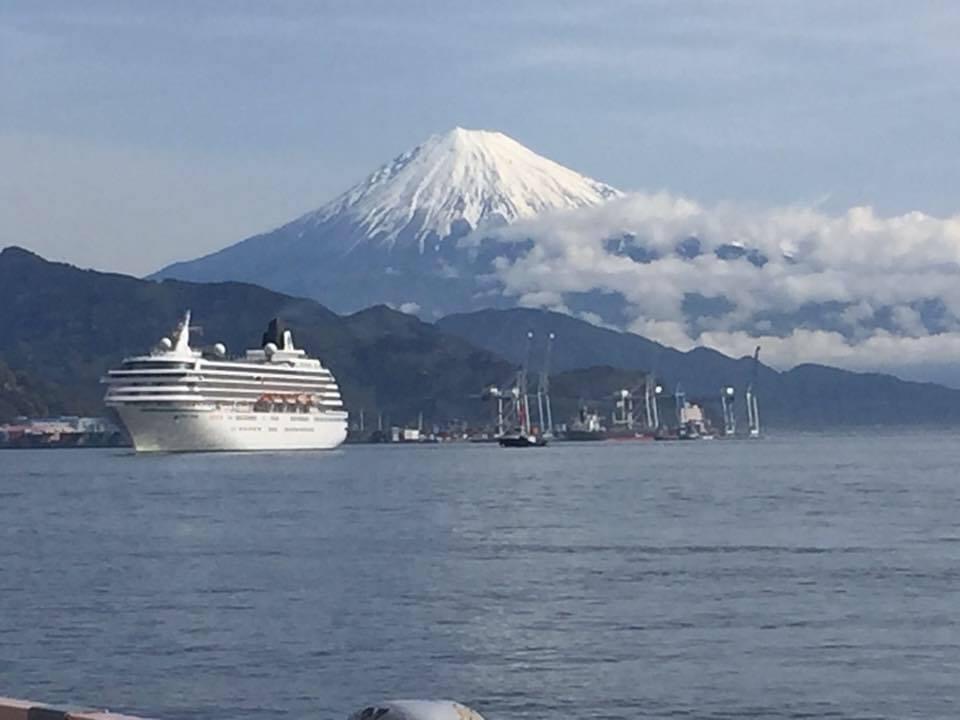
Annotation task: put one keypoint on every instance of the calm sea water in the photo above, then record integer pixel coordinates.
(789, 577)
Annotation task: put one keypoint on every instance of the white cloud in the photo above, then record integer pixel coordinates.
(882, 351)
(855, 289)
(543, 299)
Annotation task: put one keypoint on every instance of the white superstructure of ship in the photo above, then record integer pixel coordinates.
(181, 399)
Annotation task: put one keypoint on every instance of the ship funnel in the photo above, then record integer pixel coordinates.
(276, 334)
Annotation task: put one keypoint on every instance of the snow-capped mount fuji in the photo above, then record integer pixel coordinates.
(459, 181)
(393, 237)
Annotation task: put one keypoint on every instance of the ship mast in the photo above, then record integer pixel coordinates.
(182, 344)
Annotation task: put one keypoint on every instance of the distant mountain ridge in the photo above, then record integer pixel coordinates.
(393, 238)
(810, 396)
(62, 327)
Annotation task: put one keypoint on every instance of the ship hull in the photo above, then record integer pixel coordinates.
(200, 430)
(516, 441)
(584, 436)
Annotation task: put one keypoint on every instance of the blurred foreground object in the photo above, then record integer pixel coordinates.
(417, 710)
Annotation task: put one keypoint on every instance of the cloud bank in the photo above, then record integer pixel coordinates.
(854, 289)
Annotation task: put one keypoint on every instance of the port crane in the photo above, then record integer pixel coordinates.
(514, 419)
(727, 397)
(651, 402)
(623, 409)
(497, 395)
(624, 413)
(513, 406)
(543, 390)
(753, 412)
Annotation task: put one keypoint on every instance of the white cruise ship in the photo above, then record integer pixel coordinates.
(179, 399)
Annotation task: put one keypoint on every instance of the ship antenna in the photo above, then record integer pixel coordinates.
(183, 336)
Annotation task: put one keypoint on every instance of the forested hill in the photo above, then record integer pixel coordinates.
(63, 327)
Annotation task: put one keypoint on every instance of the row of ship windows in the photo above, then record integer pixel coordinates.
(283, 366)
(164, 404)
(274, 399)
(146, 400)
(210, 388)
(220, 378)
(286, 429)
(114, 379)
(273, 416)
(227, 385)
(155, 365)
(228, 370)
(265, 393)
(324, 415)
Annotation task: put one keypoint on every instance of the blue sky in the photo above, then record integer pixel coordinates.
(134, 133)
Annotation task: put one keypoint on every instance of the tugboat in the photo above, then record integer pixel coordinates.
(520, 439)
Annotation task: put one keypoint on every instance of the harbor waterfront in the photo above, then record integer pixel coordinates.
(801, 575)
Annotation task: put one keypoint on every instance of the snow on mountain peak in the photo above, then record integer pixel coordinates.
(455, 182)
